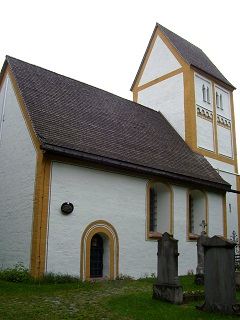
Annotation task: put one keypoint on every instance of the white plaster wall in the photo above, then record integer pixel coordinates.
(187, 249)
(2, 104)
(117, 199)
(205, 138)
(17, 180)
(199, 207)
(168, 98)
(215, 214)
(231, 198)
(224, 141)
(161, 61)
(199, 82)
(121, 201)
(163, 207)
(226, 109)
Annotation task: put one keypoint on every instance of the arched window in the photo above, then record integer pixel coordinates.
(159, 209)
(221, 102)
(197, 213)
(208, 95)
(217, 100)
(153, 210)
(204, 92)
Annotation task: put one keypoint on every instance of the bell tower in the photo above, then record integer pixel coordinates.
(177, 79)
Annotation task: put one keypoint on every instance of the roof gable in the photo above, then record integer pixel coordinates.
(160, 62)
(76, 119)
(194, 56)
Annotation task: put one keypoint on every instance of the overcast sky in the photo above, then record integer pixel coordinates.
(102, 42)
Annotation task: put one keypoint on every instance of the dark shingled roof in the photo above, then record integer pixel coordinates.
(190, 53)
(78, 120)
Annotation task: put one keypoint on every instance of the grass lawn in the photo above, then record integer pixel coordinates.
(121, 299)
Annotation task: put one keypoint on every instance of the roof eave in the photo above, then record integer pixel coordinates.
(4, 67)
(228, 84)
(144, 57)
(220, 187)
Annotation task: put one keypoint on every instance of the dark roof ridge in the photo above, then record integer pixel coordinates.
(89, 85)
(219, 76)
(62, 75)
(166, 31)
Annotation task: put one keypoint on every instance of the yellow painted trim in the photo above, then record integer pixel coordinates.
(3, 79)
(40, 219)
(215, 134)
(158, 33)
(160, 79)
(233, 131)
(190, 108)
(177, 56)
(212, 79)
(148, 187)
(99, 226)
(224, 204)
(214, 156)
(135, 96)
(41, 194)
(24, 112)
(206, 212)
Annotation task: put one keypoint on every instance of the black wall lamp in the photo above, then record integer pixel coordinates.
(67, 207)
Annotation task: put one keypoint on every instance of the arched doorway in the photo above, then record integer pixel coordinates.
(99, 234)
(96, 256)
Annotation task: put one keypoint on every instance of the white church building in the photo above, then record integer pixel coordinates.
(90, 181)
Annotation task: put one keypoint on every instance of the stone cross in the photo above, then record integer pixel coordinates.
(199, 278)
(203, 225)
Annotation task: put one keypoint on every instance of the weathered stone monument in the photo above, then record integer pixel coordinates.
(168, 286)
(199, 276)
(219, 274)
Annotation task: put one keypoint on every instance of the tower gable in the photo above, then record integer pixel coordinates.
(160, 62)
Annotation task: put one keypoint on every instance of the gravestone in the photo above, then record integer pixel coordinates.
(219, 274)
(199, 276)
(168, 286)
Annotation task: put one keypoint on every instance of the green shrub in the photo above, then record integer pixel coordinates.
(53, 278)
(17, 274)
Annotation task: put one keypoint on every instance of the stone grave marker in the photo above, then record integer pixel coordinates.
(199, 276)
(168, 286)
(219, 274)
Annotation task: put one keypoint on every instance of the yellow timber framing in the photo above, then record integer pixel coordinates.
(41, 194)
(188, 78)
(189, 99)
(190, 109)
(137, 88)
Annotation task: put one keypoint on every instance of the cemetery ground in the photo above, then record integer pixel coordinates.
(120, 299)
